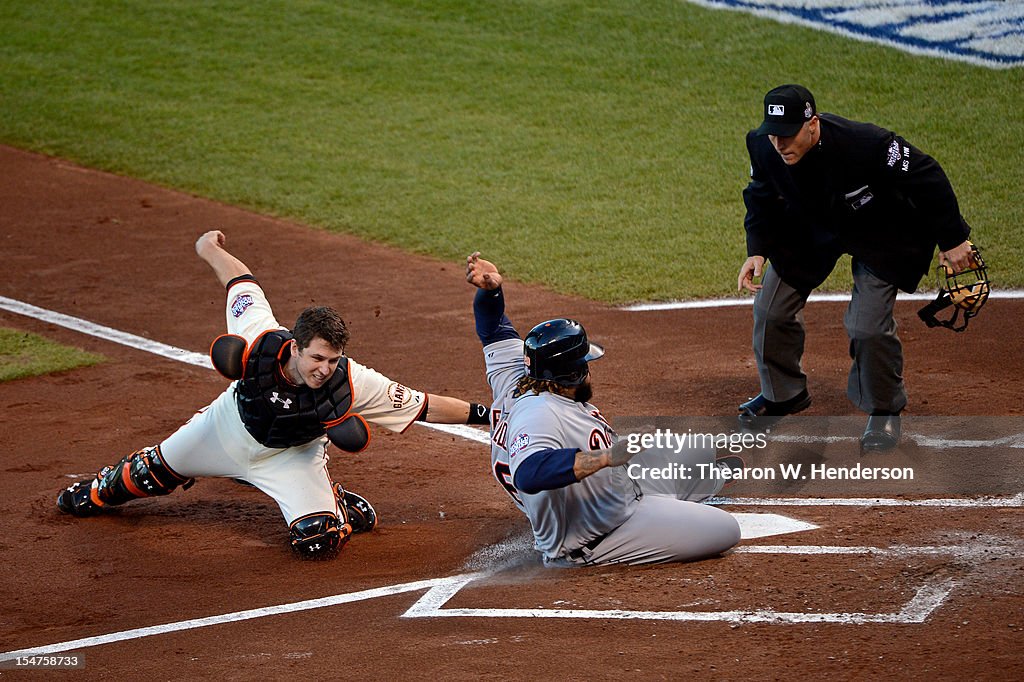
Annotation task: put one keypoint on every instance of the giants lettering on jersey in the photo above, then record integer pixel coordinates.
(398, 394)
(520, 442)
(240, 304)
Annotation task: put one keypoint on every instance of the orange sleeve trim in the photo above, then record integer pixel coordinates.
(422, 413)
(351, 388)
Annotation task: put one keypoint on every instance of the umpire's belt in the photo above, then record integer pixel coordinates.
(584, 551)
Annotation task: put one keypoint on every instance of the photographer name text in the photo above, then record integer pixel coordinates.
(781, 472)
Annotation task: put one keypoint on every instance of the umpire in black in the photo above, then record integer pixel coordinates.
(821, 186)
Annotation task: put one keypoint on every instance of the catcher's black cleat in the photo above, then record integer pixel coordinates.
(76, 500)
(760, 413)
(882, 433)
(361, 515)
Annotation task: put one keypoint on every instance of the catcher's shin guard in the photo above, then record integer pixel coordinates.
(318, 536)
(361, 514)
(141, 474)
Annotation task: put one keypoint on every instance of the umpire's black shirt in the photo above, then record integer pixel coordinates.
(861, 190)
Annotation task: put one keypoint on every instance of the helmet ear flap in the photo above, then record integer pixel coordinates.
(966, 291)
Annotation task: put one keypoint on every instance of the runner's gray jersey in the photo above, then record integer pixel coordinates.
(566, 518)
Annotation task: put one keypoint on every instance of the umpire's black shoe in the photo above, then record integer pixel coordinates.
(882, 433)
(760, 413)
(76, 500)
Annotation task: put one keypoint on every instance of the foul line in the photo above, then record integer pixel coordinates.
(479, 436)
(181, 355)
(814, 298)
(92, 329)
(138, 633)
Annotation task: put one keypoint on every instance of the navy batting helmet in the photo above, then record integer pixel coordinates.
(558, 351)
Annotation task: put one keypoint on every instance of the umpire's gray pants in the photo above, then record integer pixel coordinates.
(876, 375)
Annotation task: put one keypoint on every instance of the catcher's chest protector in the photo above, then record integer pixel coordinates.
(279, 414)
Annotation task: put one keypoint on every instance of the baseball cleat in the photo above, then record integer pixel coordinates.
(760, 413)
(76, 500)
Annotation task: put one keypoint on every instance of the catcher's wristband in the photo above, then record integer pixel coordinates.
(478, 414)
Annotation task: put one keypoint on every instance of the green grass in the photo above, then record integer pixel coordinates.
(27, 355)
(594, 147)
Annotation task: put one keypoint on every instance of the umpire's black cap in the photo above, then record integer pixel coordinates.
(786, 109)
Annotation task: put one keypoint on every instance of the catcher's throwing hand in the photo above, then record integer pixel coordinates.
(482, 273)
(213, 237)
(752, 267)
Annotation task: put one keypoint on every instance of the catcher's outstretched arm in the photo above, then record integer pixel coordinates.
(443, 409)
(210, 247)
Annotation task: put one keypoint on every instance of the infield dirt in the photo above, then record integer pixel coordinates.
(119, 252)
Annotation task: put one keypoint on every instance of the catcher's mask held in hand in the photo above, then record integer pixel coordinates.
(966, 291)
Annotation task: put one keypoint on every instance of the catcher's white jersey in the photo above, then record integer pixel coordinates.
(377, 398)
(566, 518)
(215, 442)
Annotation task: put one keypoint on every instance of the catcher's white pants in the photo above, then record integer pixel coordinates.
(214, 442)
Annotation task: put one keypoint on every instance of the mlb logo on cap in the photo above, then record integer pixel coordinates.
(786, 109)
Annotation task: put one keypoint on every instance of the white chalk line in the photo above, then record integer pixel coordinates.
(440, 590)
(814, 298)
(92, 329)
(171, 352)
(1015, 440)
(138, 633)
(467, 432)
(960, 502)
(895, 551)
(925, 601)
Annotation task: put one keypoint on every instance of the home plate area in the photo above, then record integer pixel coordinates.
(857, 584)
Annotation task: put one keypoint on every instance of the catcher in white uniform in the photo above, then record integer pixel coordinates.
(293, 391)
(560, 459)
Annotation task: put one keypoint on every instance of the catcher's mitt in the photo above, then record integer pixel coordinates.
(966, 291)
